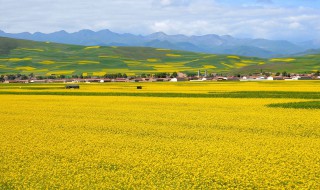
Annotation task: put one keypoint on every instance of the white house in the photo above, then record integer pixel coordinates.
(174, 80)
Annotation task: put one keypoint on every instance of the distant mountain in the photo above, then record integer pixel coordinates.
(210, 43)
(311, 44)
(249, 51)
(308, 52)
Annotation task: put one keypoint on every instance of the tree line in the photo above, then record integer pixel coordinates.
(30, 76)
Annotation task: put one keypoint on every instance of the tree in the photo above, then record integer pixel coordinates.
(119, 75)
(284, 73)
(11, 77)
(161, 75)
(31, 75)
(39, 77)
(267, 74)
(143, 75)
(52, 77)
(174, 74)
(2, 78)
(24, 77)
(191, 74)
(317, 73)
(278, 74)
(125, 75)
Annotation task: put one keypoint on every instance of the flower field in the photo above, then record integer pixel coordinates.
(166, 136)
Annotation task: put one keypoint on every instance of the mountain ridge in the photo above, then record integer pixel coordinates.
(209, 43)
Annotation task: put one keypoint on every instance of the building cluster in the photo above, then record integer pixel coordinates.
(179, 77)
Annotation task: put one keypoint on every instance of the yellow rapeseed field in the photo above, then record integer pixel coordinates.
(233, 57)
(92, 47)
(27, 68)
(30, 49)
(84, 62)
(122, 142)
(47, 62)
(173, 55)
(282, 60)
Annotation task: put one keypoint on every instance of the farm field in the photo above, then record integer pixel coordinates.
(40, 58)
(210, 135)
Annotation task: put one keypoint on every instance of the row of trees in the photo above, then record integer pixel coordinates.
(283, 74)
(286, 74)
(81, 76)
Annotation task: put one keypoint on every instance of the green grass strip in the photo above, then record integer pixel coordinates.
(297, 105)
(273, 94)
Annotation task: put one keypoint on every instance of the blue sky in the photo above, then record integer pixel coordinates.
(295, 20)
(283, 3)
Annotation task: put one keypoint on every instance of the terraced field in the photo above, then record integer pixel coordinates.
(25, 57)
(211, 135)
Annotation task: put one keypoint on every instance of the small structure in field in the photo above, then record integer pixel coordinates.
(174, 80)
(72, 86)
(305, 78)
(139, 87)
(222, 78)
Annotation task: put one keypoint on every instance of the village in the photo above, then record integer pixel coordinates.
(163, 77)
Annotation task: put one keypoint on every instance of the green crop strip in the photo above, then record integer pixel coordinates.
(297, 105)
(241, 94)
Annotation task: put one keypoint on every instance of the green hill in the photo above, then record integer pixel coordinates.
(23, 56)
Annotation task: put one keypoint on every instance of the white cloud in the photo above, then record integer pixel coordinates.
(178, 27)
(191, 17)
(165, 2)
(295, 25)
(264, 1)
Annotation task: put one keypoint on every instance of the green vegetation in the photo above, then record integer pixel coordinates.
(298, 105)
(301, 64)
(244, 94)
(40, 58)
(6, 45)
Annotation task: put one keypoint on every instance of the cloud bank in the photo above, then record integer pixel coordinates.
(272, 19)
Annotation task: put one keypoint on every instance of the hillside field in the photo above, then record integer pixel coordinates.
(40, 58)
(210, 135)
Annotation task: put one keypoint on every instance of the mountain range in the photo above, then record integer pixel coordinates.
(210, 43)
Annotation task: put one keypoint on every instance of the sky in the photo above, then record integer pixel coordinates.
(294, 20)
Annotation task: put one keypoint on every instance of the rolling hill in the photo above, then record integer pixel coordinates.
(45, 58)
